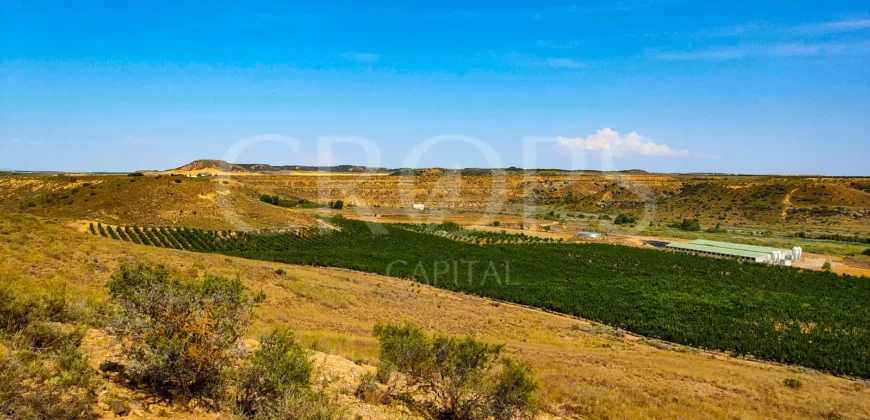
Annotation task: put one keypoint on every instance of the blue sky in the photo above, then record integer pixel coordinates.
(669, 86)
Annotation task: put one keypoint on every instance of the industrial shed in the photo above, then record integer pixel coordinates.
(696, 248)
(761, 254)
(740, 247)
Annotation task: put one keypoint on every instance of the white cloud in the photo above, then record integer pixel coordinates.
(556, 45)
(610, 140)
(362, 58)
(779, 30)
(794, 49)
(520, 60)
(836, 26)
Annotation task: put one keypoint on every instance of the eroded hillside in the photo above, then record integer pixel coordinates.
(790, 204)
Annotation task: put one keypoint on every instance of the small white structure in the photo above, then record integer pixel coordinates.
(420, 207)
(797, 253)
(589, 235)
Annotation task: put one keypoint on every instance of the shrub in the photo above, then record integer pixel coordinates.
(16, 311)
(496, 223)
(624, 219)
(301, 405)
(369, 392)
(46, 385)
(691, 225)
(277, 368)
(458, 375)
(513, 394)
(827, 266)
(866, 251)
(178, 180)
(135, 174)
(716, 229)
(43, 374)
(180, 337)
(269, 199)
(793, 383)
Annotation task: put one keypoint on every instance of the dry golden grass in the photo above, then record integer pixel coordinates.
(763, 203)
(207, 203)
(585, 371)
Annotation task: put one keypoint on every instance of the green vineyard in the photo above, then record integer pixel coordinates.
(809, 318)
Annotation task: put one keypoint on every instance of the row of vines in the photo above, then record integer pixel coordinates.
(809, 318)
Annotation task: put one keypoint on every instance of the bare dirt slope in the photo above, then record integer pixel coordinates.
(585, 370)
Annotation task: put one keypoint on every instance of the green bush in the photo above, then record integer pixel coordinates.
(277, 368)
(459, 376)
(866, 251)
(624, 219)
(690, 225)
(179, 336)
(716, 229)
(793, 383)
(273, 199)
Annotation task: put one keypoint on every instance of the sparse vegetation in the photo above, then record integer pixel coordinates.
(179, 336)
(43, 373)
(276, 383)
(457, 378)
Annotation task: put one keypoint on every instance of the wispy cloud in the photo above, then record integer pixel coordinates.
(557, 45)
(610, 141)
(793, 49)
(361, 58)
(520, 60)
(781, 30)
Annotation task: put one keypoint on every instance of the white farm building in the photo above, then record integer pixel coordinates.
(755, 253)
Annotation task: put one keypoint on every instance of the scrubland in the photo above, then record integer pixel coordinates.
(584, 369)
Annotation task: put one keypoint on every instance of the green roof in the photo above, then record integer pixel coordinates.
(742, 247)
(694, 247)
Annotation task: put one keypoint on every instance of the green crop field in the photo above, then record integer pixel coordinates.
(814, 319)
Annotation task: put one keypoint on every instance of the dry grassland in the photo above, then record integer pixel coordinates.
(585, 370)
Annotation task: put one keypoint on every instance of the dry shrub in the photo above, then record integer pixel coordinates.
(455, 378)
(43, 373)
(371, 392)
(180, 336)
(276, 383)
(301, 405)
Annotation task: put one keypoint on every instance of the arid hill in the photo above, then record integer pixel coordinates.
(787, 204)
(208, 203)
